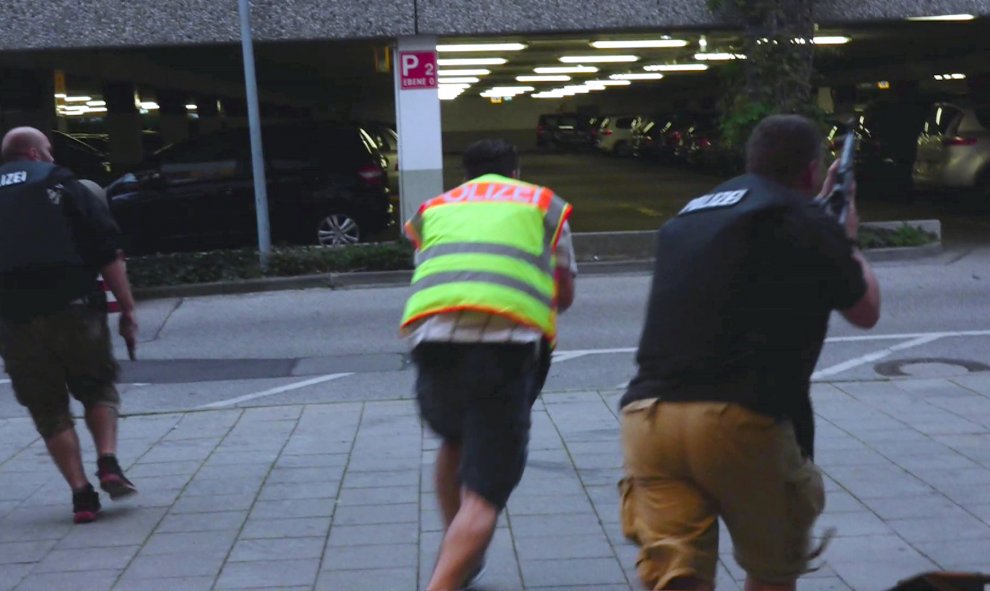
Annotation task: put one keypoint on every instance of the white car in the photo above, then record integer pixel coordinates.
(615, 134)
(954, 149)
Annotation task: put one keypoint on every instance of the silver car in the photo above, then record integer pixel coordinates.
(954, 149)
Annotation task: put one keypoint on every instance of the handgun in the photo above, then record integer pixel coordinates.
(836, 203)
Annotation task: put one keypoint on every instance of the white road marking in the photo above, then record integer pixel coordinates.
(274, 391)
(875, 356)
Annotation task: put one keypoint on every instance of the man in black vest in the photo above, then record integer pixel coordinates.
(55, 237)
(718, 420)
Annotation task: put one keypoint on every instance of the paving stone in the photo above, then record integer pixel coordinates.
(277, 549)
(126, 526)
(563, 547)
(237, 471)
(860, 523)
(11, 575)
(390, 578)
(370, 479)
(174, 543)
(311, 474)
(583, 571)
(339, 558)
(548, 504)
(955, 552)
(190, 564)
(202, 522)
(268, 573)
(96, 580)
(357, 535)
(368, 515)
(287, 509)
(934, 505)
(24, 552)
(311, 460)
(379, 496)
(211, 503)
(562, 525)
(299, 490)
(231, 486)
(87, 559)
(285, 528)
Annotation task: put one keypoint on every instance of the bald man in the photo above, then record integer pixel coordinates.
(56, 236)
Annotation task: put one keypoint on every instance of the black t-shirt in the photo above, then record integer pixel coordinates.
(744, 282)
(31, 291)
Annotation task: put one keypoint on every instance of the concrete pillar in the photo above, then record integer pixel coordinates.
(208, 115)
(173, 118)
(123, 124)
(27, 97)
(417, 113)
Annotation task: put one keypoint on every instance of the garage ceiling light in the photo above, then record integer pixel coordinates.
(639, 43)
(943, 17)
(459, 80)
(831, 40)
(149, 105)
(482, 47)
(566, 70)
(608, 82)
(950, 76)
(96, 103)
(545, 78)
(473, 61)
(649, 76)
(676, 68)
(78, 99)
(598, 59)
(475, 72)
(547, 95)
(515, 89)
(192, 107)
(718, 57)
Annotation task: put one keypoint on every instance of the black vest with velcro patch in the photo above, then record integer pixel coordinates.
(34, 229)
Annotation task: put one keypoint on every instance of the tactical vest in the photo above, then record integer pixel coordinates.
(488, 246)
(34, 230)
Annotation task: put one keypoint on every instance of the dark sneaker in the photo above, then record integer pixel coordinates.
(112, 478)
(475, 577)
(85, 504)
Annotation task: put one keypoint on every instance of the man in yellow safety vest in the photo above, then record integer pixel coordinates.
(494, 265)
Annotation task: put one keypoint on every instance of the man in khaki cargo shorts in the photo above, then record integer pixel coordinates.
(718, 422)
(55, 237)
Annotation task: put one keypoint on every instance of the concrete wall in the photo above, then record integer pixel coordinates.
(26, 24)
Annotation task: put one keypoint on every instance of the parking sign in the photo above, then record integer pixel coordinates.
(417, 70)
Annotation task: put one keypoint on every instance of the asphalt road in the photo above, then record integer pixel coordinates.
(323, 345)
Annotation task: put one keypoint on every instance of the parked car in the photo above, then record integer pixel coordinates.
(84, 160)
(326, 185)
(615, 134)
(566, 131)
(151, 141)
(387, 140)
(954, 149)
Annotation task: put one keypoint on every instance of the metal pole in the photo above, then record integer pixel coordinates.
(254, 123)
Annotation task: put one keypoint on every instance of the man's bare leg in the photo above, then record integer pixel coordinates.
(754, 585)
(102, 422)
(465, 542)
(66, 452)
(448, 481)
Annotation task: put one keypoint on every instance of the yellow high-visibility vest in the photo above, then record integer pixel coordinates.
(488, 246)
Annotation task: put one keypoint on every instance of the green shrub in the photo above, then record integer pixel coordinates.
(228, 265)
(905, 235)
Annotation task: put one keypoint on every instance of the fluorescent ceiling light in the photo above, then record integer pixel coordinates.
(512, 88)
(608, 82)
(482, 47)
(943, 17)
(459, 80)
(566, 70)
(472, 61)
(444, 86)
(544, 78)
(718, 57)
(150, 105)
(598, 59)
(649, 76)
(950, 76)
(638, 43)
(96, 103)
(78, 99)
(831, 40)
(474, 72)
(677, 68)
(60, 95)
(191, 107)
(547, 95)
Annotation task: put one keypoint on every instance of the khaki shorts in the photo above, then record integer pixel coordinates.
(689, 463)
(54, 355)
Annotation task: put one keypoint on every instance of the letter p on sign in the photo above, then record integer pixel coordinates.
(417, 70)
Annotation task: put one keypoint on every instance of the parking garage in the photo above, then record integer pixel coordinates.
(625, 125)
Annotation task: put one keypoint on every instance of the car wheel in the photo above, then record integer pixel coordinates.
(338, 229)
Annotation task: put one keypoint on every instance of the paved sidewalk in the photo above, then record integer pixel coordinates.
(337, 497)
